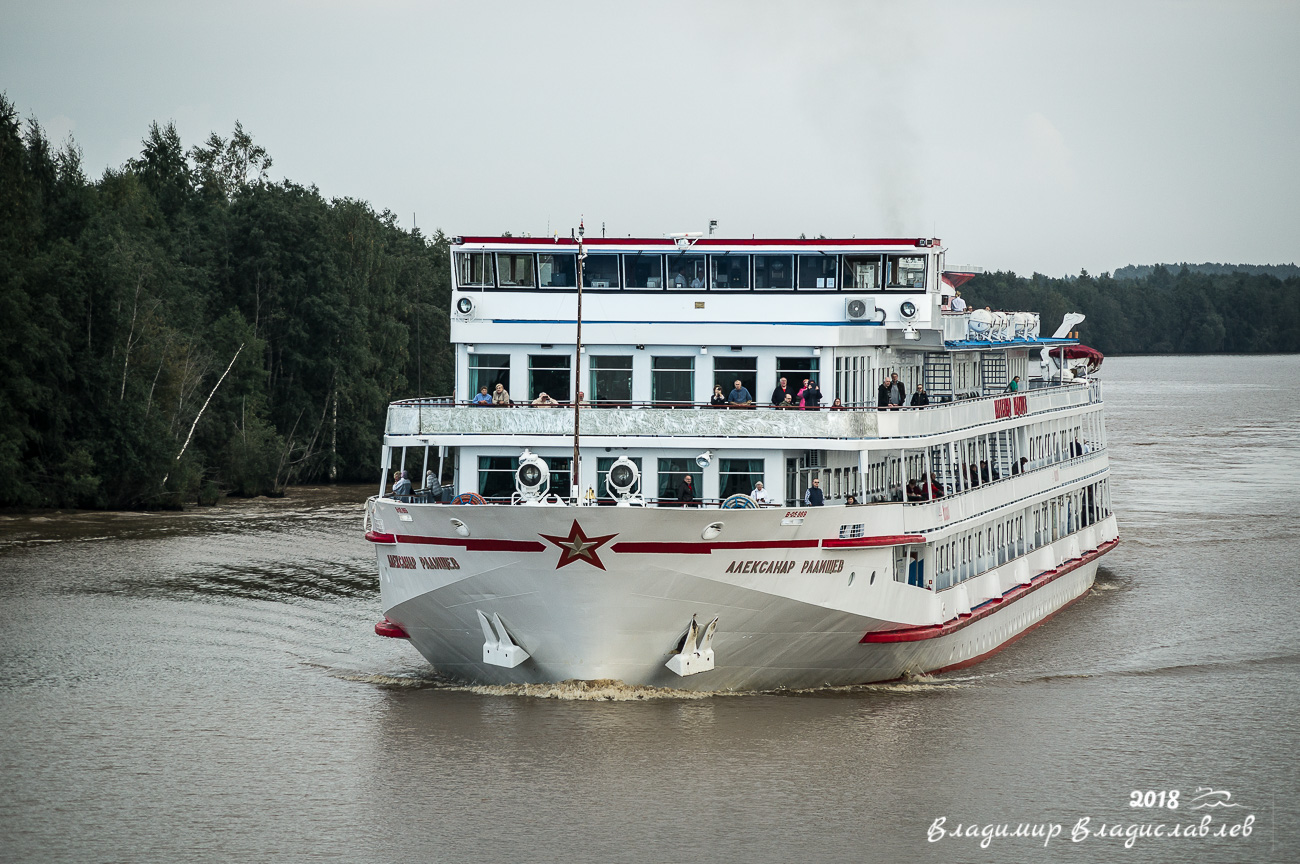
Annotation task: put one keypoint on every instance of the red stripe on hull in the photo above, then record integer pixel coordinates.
(863, 542)
(468, 543)
(657, 547)
(934, 631)
(987, 654)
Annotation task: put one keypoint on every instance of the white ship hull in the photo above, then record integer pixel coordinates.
(796, 607)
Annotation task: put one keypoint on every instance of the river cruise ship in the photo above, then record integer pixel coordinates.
(619, 487)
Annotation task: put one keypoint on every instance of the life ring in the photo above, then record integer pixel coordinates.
(740, 502)
(468, 498)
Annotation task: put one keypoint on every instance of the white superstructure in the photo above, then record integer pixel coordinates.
(945, 529)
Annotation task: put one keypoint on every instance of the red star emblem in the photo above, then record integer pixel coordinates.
(578, 546)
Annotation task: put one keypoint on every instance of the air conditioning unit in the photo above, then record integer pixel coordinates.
(858, 309)
(813, 459)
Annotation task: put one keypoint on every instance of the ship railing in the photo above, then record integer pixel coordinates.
(937, 401)
(670, 419)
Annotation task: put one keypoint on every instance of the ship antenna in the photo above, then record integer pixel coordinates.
(577, 370)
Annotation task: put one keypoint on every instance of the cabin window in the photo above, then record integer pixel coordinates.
(611, 380)
(862, 272)
(738, 476)
(561, 476)
(794, 370)
(558, 270)
(730, 272)
(672, 474)
(549, 374)
(496, 476)
(774, 272)
(727, 370)
(817, 272)
(603, 464)
(644, 270)
(600, 271)
(516, 271)
(474, 269)
(672, 380)
(906, 273)
(488, 370)
(686, 272)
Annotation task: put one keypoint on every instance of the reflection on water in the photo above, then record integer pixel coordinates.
(206, 685)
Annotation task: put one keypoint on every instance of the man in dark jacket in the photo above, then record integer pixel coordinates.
(782, 390)
(814, 497)
(920, 397)
(882, 393)
(686, 493)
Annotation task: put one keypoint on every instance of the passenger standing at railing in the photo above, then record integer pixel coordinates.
(760, 494)
(718, 399)
(780, 393)
(958, 304)
(740, 395)
(402, 488)
(920, 397)
(882, 393)
(483, 397)
(544, 401)
(500, 396)
(1014, 385)
(686, 493)
(814, 497)
(812, 397)
(897, 393)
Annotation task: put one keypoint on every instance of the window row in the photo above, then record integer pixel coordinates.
(692, 271)
(971, 553)
(609, 379)
(496, 476)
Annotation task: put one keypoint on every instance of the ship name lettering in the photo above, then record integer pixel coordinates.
(439, 563)
(830, 565)
(760, 566)
(401, 562)
(795, 514)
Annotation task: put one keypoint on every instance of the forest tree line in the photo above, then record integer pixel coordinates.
(1165, 312)
(182, 327)
(123, 301)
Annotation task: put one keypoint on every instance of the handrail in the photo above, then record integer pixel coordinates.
(936, 402)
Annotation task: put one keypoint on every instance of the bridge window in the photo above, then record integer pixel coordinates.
(549, 374)
(862, 272)
(817, 272)
(561, 476)
(906, 273)
(644, 270)
(600, 271)
(686, 272)
(739, 476)
(611, 380)
(474, 270)
(516, 270)
(488, 370)
(730, 271)
(672, 379)
(558, 270)
(774, 272)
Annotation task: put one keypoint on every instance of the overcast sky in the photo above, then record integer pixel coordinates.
(1029, 136)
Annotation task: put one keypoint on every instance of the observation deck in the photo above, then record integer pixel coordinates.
(445, 422)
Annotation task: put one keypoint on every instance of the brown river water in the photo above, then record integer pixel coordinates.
(206, 686)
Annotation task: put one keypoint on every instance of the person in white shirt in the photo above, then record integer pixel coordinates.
(760, 494)
(958, 304)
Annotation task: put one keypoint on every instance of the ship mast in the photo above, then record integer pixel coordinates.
(574, 485)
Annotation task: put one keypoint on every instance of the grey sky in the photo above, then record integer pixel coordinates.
(1029, 136)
